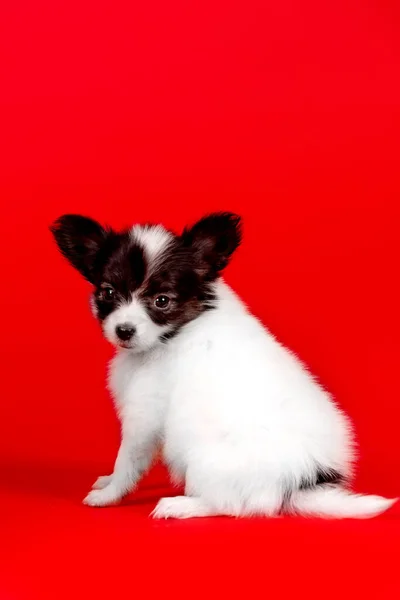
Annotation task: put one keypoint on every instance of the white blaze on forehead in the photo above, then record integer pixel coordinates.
(154, 240)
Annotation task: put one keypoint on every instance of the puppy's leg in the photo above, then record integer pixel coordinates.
(134, 458)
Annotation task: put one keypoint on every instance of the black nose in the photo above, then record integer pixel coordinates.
(125, 331)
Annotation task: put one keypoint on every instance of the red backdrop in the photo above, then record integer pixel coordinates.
(286, 112)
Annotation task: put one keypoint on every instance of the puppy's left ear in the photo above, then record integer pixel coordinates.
(81, 240)
(213, 240)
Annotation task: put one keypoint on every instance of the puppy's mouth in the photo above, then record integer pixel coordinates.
(125, 345)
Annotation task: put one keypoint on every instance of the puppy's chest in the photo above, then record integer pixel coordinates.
(136, 383)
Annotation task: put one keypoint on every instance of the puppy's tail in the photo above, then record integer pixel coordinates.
(337, 502)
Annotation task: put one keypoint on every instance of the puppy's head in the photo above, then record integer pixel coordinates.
(148, 282)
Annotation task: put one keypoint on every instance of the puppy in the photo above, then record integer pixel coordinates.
(241, 422)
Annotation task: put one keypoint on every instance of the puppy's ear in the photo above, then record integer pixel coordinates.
(81, 240)
(213, 240)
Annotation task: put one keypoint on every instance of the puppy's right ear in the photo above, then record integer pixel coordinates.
(81, 240)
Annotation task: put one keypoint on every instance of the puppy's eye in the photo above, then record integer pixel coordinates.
(107, 293)
(162, 301)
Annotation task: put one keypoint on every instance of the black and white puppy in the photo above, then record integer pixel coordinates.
(241, 422)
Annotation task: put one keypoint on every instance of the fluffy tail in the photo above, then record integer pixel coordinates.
(337, 502)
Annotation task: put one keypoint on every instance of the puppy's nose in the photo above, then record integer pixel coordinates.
(125, 332)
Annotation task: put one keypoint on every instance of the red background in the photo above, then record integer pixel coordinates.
(287, 112)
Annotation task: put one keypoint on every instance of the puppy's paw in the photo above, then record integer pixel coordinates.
(102, 482)
(105, 497)
(181, 507)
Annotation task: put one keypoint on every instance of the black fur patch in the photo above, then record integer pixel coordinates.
(322, 477)
(82, 241)
(188, 268)
(189, 293)
(212, 241)
(124, 270)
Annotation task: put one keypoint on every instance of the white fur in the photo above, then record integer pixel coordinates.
(338, 502)
(237, 415)
(153, 239)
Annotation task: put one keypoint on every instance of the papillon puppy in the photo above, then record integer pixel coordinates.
(243, 426)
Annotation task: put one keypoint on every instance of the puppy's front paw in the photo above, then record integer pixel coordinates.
(102, 482)
(105, 497)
